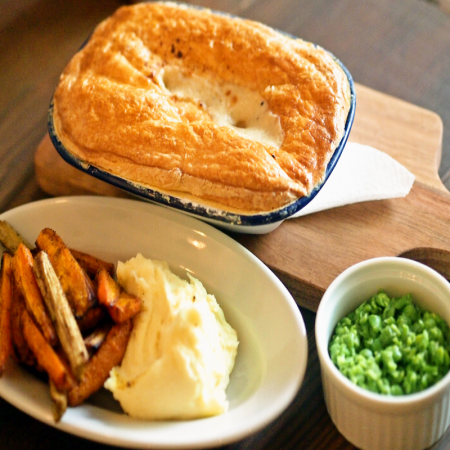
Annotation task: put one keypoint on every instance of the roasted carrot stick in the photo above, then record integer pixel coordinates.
(22, 264)
(90, 264)
(91, 319)
(45, 355)
(97, 369)
(22, 352)
(108, 290)
(6, 293)
(120, 305)
(125, 308)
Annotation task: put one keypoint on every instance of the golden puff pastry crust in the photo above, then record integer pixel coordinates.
(195, 103)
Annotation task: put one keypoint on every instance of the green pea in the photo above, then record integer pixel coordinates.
(351, 339)
(397, 376)
(366, 353)
(410, 382)
(382, 299)
(388, 360)
(403, 320)
(387, 335)
(396, 390)
(404, 331)
(389, 311)
(375, 323)
(402, 302)
(422, 340)
(429, 323)
(377, 345)
(436, 334)
(417, 326)
(411, 312)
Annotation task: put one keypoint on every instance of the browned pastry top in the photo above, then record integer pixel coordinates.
(198, 104)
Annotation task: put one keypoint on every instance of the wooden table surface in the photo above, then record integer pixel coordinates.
(400, 48)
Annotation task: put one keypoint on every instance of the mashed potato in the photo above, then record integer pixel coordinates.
(181, 351)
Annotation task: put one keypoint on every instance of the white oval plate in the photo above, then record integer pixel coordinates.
(272, 355)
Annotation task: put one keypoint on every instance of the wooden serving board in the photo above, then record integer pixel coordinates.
(307, 253)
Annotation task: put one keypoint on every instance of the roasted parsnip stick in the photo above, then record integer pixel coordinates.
(97, 369)
(61, 314)
(10, 238)
(22, 264)
(59, 401)
(73, 279)
(6, 294)
(45, 355)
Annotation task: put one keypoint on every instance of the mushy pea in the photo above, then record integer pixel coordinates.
(391, 346)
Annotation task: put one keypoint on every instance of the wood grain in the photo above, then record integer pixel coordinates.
(309, 252)
(436, 258)
(395, 47)
(410, 134)
(57, 178)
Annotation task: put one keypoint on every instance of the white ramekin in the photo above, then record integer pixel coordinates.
(372, 421)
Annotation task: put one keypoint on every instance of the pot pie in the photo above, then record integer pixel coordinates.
(204, 106)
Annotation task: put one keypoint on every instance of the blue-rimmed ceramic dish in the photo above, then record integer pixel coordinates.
(258, 223)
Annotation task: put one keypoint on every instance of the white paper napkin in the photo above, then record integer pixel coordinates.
(362, 173)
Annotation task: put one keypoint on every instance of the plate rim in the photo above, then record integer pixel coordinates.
(218, 236)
